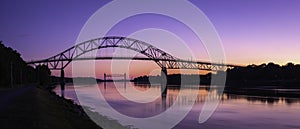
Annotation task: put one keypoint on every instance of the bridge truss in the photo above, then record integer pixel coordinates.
(163, 59)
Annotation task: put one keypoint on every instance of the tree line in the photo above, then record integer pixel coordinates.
(270, 71)
(15, 72)
(254, 75)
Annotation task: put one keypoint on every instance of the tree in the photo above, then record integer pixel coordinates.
(11, 64)
(43, 74)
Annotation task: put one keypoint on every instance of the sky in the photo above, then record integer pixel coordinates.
(252, 31)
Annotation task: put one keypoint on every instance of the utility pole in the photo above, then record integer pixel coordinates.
(11, 75)
(21, 76)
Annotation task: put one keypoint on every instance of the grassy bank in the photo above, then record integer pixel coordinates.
(35, 108)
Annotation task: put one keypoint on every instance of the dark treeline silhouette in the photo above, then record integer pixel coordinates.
(176, 79)
(78, 80)
(268, 71)
(264, 74)
(252, 75)
(14, 69)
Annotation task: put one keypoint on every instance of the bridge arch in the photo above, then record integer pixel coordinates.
(61, 60)
(162, 58)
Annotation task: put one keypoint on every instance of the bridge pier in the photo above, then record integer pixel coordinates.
(125, 81)
(124, 77)
(62, 82)
(164, 81)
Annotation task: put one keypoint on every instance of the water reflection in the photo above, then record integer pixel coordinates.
(233, 108)
(172, 94)
(164, 102)
(265, 99)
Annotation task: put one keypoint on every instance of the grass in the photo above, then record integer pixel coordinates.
(39, 109)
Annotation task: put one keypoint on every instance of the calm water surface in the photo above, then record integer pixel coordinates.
(144, 101)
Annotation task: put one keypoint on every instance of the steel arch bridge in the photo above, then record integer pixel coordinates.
(163, 59)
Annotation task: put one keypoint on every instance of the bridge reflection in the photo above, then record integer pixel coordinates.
(136, 107)
(203, 92)
(168, 98)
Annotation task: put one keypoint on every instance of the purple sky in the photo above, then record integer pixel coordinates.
(252, 31)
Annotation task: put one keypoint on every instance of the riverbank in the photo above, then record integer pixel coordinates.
(103, 121)
(35, 108)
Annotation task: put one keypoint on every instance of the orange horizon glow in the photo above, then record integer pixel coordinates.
(148, 68)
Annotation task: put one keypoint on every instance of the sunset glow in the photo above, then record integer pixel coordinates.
(267, 34)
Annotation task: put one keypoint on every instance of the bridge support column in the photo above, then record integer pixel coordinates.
(125, 77)
(164, 81)
(62, 82)
(125, 81)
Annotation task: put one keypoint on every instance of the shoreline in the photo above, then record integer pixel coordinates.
(35, 108)
(102, 121)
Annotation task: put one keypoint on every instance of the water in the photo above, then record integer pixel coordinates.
(131, 101)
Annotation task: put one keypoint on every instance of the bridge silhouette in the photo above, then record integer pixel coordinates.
(163, 59)
(152, 53)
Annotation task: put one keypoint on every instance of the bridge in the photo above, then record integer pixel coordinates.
(151, 53)
(163, 59)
